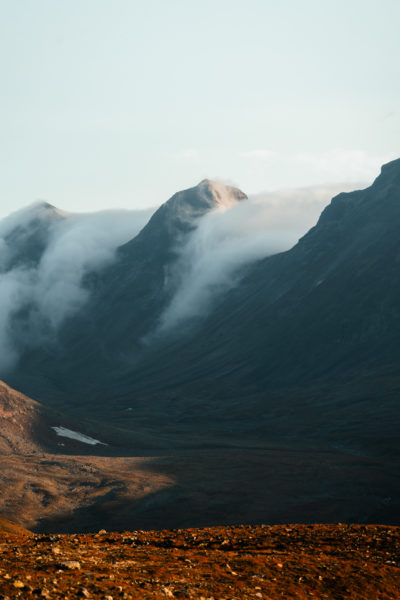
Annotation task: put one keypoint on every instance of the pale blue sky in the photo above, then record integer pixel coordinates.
(120, 103)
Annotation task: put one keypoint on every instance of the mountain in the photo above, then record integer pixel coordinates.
(132, 294)
(24, 235)
(326, 308)
(322, 315)
(279, 405)
(126, 301)
(310, 337)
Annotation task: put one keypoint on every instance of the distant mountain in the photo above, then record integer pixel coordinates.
(127, 298)
(319, 322)
(325, 308)
(133, 292)
(24, 235)
(308, 343)
(280, 404)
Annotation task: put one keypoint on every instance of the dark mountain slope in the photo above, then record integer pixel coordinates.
(133, 293)
(286, 394)
(325, 313)
(106, 337)
(307, 346)
(325, 309)
(25, 235)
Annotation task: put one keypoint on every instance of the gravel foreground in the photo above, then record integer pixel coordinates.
(285, 561)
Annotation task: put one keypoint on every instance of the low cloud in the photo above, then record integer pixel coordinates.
(44, 257)
(226, 240)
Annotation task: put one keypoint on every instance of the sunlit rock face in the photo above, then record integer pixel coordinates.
(179, 215)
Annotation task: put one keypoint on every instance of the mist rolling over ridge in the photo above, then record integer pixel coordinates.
(200, 316)
(271, 337)
(230, 237)
(47, 255)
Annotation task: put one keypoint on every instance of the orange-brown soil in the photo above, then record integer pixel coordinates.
(292, 561)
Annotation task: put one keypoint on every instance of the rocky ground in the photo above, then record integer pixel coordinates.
(288, 561)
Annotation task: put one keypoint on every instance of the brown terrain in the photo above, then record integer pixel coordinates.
(76, 487)
(292, 561)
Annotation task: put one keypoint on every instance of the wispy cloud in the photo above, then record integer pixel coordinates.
(226, 240)
(46, 292)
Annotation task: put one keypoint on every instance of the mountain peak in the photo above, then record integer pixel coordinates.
(384, 192)
(223, 195)
(192, 203)
(184, 208)
(180, 213)
(43, 208)
(390, 172)
(392, 165)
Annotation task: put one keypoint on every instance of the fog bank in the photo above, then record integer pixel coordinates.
(44, 257)
(228, 239)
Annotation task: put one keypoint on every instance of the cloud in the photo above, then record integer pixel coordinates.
(78, 245)
(44, 257)
(226, 240)
(15, 289)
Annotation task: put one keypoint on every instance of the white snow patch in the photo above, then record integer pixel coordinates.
(74, 435)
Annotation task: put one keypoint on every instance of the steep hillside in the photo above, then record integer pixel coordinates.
(324, 309)
(25, 234)
(279, 405)
(306, 346)
(127, 298)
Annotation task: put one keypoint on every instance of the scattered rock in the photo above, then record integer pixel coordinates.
(313, 561)
(70, 564)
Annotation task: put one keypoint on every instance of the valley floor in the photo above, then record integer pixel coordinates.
(59, 493)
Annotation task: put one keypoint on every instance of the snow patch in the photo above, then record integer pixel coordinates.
(74, 435)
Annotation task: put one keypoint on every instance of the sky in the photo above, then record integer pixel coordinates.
(119, 104)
